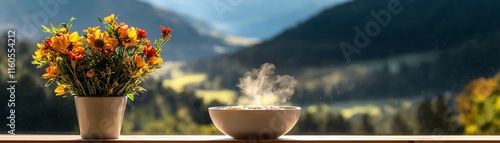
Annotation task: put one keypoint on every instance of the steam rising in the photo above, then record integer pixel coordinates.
(261, 88)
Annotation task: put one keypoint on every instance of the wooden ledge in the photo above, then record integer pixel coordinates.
(287, 138)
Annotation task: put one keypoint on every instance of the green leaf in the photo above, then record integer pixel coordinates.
(46, 29)
(99, 19)
(130, 96)
(54, 29)
(69, 23)
(49, 82)
(64, 25)
(139, 88)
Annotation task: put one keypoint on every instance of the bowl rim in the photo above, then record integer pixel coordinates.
(219, 108)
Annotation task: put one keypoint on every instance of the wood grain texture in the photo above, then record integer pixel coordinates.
(227, 139)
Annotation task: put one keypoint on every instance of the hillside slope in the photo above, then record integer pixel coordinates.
(428, 48)
(422, 25)
(187, 43)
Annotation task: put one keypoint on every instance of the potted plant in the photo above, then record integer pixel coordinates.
(101, 68)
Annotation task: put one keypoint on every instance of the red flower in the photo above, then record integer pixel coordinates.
(75, 56)
(150, 51)
(165, 32)
(141, 33)
(48, 44)
(148, 43)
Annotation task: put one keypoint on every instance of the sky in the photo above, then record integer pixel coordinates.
(260, 19)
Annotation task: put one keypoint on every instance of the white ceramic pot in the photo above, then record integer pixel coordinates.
(100, 117)
(254, 124)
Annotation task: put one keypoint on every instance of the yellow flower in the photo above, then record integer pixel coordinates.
(62, 31)
(40, 46)
(146, 68)
(138, 73)
(110, 90)
(39, 54)
(132, 33)
(155, 61)
(52, 71)
(109, 19)
(101, 42)
(90, 74)
(139, 62)
(61, 89)
(484, 87)
(58, 58)
(471, 129)
(91, 30)
(63, 42)
(129, 35)
(77, 47)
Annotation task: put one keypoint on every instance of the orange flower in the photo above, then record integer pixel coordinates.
(90, 74)
(139, 62)
(155, 61)
(64, 42)
(52, 72)
(61, 89)
(128, 35)
(75, 56)
(127, 61)
(484, 87)
(122, 30)
(77, 51)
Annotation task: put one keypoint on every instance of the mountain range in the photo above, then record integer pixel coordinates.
(426, 48)
(242, 17)
(188, 43)
(422, 25)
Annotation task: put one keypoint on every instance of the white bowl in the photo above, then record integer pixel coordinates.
(254, 123)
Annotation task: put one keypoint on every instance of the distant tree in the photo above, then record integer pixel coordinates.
(445, 118)
(367, 125)
(436, 117)
(336, 124)
(400, 124)
(425, 117)
(307, 125)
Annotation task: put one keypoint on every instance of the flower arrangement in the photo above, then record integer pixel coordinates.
(112, 62)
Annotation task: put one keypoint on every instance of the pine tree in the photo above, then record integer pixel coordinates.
(400, 124)
(436, 117)
(336, 124)
(366, 125)
(425, 117)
